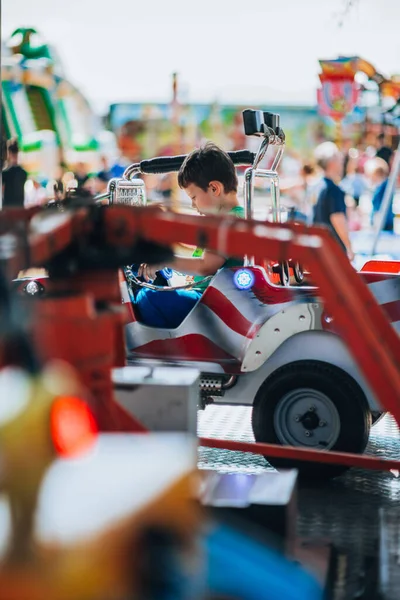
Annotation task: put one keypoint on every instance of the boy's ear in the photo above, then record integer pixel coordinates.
(216, 187)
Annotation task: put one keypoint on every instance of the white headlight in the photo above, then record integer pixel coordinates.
(32, 288)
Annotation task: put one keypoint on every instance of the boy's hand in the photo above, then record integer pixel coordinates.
(148, 272)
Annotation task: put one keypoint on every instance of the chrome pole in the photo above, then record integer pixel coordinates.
(248, 206)
(278, 157)
(275, 197)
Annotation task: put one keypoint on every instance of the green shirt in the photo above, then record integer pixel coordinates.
(238, 212)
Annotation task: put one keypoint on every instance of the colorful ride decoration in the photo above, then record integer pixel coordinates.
(51, 119)
(340, 96)
(339, 92)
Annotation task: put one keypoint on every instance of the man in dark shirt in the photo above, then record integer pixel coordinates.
(14, 179)
(330, 207)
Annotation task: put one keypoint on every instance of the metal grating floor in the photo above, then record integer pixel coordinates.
(345, 510)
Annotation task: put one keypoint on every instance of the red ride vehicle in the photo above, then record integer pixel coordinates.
(258, 342)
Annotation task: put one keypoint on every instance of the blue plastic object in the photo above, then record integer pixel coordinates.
(243, 568)
(166, 273)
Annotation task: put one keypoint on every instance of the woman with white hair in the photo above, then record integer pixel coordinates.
(330, 207)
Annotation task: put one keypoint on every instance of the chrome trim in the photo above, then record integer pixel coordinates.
(261, 151)
(278, 157)
(230, 382)
(131, 278)
(99, 199)
(130, 171)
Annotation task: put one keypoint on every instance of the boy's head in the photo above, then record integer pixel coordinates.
(208, 176)
(329, 159)
(377, 170)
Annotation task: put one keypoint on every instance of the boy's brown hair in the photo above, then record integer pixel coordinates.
(205, 164)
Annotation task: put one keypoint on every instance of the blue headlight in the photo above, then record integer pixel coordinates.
(243, 279)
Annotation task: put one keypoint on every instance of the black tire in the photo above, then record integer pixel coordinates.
(284, 273)
(298, 272)
(341, 390)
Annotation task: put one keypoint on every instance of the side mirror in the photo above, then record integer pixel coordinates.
(258, 122)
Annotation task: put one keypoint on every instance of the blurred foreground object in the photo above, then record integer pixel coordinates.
(103, 531)
(40, 416)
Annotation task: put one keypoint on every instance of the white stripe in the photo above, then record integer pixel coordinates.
(396, 326)
(125, 292)
(203, 321)
(386, 291)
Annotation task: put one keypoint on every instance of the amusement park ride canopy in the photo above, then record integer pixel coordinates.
(51, 119)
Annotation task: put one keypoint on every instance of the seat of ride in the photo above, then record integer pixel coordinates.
(236, 295)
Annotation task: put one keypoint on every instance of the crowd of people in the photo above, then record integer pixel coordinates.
(327, 190)
(342, 189)
(21, 189)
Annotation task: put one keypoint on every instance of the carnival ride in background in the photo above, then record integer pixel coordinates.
(344, 81)
(49, 116)
(342, 91)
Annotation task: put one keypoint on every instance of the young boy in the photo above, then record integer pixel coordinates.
(209, 178)
(377, 170)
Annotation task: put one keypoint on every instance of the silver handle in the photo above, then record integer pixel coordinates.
(99, 199)
(130, 171)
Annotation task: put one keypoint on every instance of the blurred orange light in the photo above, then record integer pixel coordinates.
(73, 427)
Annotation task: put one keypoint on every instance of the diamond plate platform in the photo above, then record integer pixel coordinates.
(345, 510)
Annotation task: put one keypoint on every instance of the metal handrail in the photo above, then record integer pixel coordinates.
(131, 278)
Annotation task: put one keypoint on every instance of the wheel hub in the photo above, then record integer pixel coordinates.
(307, 417)
(310, 420)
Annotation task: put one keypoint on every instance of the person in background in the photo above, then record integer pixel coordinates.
(301, 194)
(91, 186)
(377, 170)
(104, 174)
(14, 178)
(58, 183)
(81, 174)
(165, 187)
(35, 193)
(354, 183)
(383, 151)
(346, 148)
(330, 206)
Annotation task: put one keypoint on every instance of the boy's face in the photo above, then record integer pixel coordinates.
(205, 202)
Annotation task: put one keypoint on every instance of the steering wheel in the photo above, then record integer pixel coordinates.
(162, 276)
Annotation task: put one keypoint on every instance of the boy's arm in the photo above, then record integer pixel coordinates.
(208, 264)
